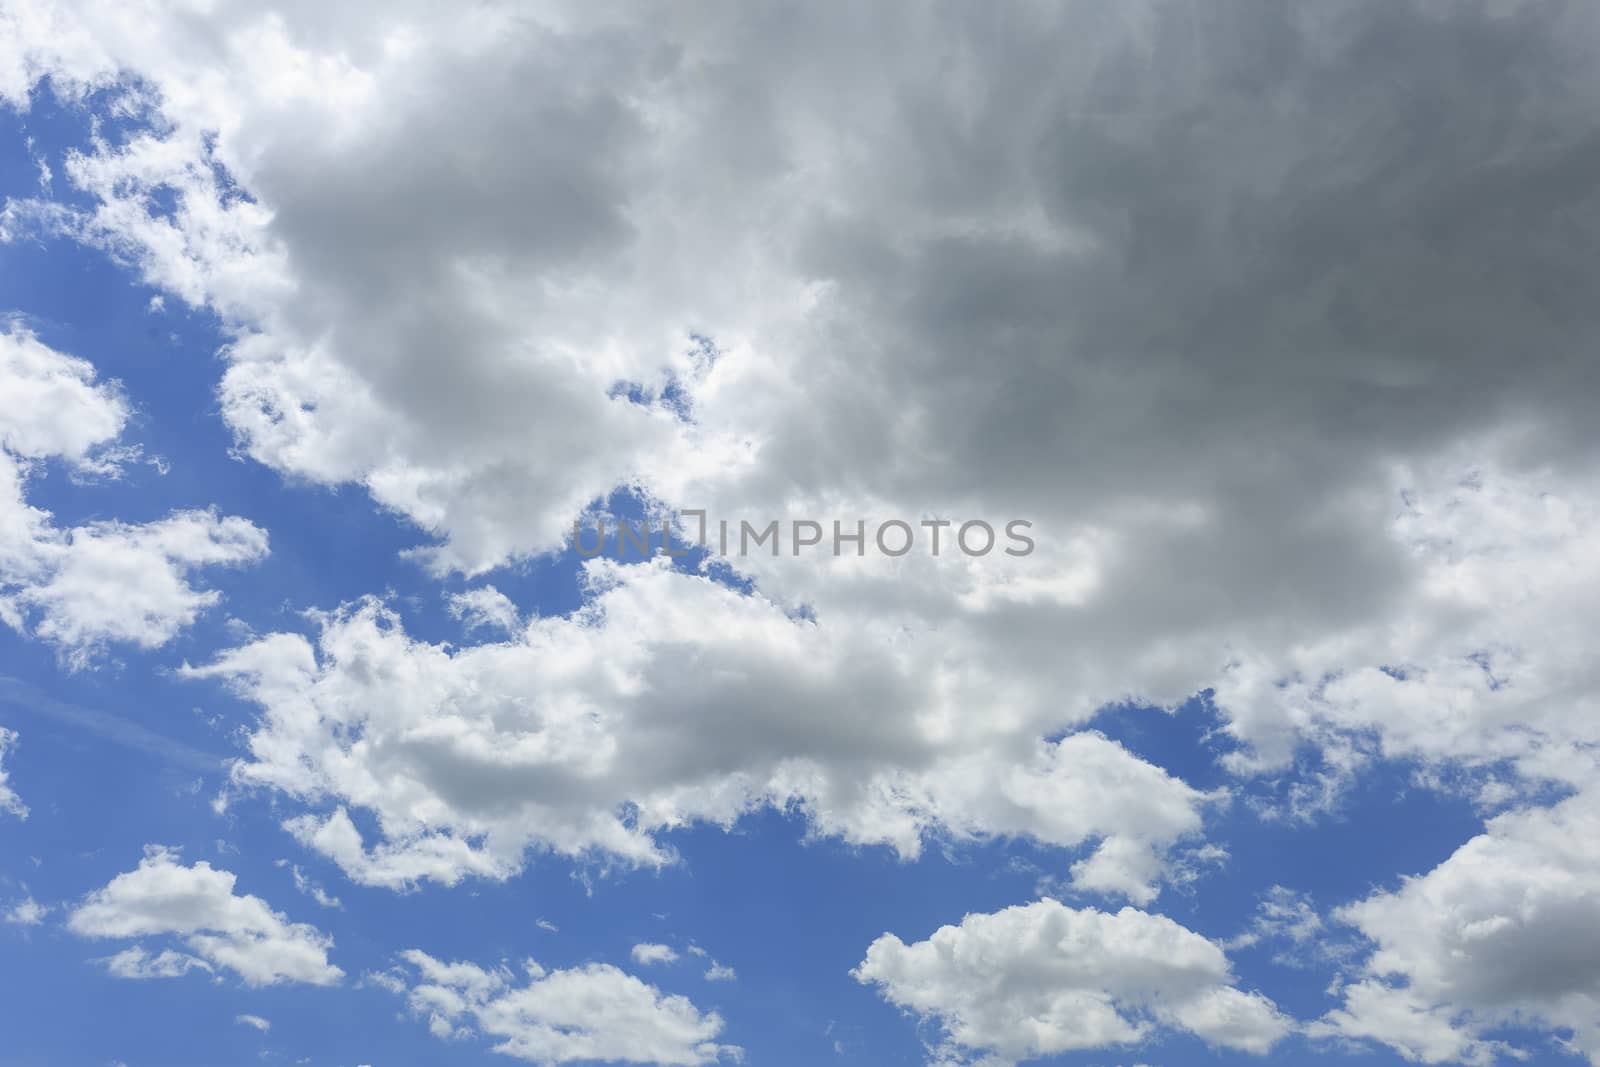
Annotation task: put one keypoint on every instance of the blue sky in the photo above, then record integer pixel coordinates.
(1309, 697)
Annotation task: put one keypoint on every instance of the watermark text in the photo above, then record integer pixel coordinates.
(623, 538)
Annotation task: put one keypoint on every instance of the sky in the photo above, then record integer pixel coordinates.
(331, 334)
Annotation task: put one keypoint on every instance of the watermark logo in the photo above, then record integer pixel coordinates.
(797, 537)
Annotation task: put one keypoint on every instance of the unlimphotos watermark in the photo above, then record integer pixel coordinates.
(894, 537)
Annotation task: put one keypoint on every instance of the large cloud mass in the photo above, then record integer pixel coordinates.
(1276, 320)
(1177, 284)
(671, 698)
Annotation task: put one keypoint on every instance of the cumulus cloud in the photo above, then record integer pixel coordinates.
(485, 608)
(51, 405)
(715, 971)
(1041, 979)
(1505, 932)
(221, 929)
(311, 403)
(85, 587)
(255, 1022)
(646, 954)
(594, 1013)
(112, 582)
(671, 699)
(10, 803)
(1482, 669)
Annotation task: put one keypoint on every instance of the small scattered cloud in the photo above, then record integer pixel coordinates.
(10, 803)
(309, 886)
(27, 912)
(484, 608)
(648, 954)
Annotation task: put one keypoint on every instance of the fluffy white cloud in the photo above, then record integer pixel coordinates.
(671, 699)
(1041, 979)
(84, 587)
(485, 608)
(255, 1022)
(1504, 932)
(646, 954)
(594, 1013)
(10, 803)
(115, 582)
(220, 928)
(1483, 667)
(51, 405)
(715, 972)
(318, 404)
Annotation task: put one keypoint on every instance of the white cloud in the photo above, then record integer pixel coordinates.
(27, 912)
(1504, 932)
(10, 803)
(254, 1021)
(84, 587)
(646, 954)
(683, 701)
(590, 1013)
(1482, 666)
(715, 972)
(51, 405)
(394, 980)
(310, 888)
(115, 582)
(289, 394)
(1283, 917)
(138, 963)
(485, 608)
(1041, 979)
(220, 928)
